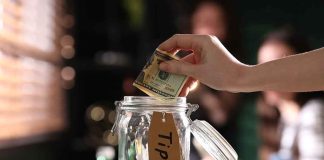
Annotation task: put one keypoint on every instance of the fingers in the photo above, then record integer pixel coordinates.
(191, 58)
(186, 88)
(178, 67)
(184, 92)
(182, 41)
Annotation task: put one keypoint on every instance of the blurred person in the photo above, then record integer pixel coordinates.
(217, 107)
(217, 18)
(301, 123)
(267, 127)
(211, 17)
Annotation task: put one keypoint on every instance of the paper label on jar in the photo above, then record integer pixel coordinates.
(163, 138)
(155, 82)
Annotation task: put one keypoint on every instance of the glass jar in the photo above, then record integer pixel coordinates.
(133, 119)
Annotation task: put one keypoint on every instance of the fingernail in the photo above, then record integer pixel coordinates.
(163, 66)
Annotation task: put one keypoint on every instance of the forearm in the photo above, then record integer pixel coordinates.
(299, 73)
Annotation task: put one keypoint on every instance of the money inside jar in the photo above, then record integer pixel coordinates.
(155, 82)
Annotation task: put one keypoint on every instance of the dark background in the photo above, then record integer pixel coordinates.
(130, 30)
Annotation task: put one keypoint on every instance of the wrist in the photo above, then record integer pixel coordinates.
(243, 81)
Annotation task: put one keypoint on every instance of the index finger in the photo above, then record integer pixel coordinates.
(182, 41)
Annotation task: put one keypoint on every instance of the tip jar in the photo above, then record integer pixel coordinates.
(136, 125)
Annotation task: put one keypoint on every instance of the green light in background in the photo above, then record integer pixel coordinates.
(101, 158)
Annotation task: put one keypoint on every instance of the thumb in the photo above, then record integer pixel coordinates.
(178, 67)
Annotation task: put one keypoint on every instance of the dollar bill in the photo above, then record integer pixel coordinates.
(155, 82)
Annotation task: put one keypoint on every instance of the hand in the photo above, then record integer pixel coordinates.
(210, 62)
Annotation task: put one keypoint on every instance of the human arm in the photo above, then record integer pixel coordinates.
(213, 65)
(297, 73)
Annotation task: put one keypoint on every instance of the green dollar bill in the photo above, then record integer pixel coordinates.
(155, 82)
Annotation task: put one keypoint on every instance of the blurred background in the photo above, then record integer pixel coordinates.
(63, 63)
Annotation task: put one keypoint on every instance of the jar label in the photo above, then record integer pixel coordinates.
(163, 138)
(155, 82)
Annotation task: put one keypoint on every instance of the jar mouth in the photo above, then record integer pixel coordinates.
(160, 101)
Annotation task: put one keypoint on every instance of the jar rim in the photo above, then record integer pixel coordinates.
(160, 101)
